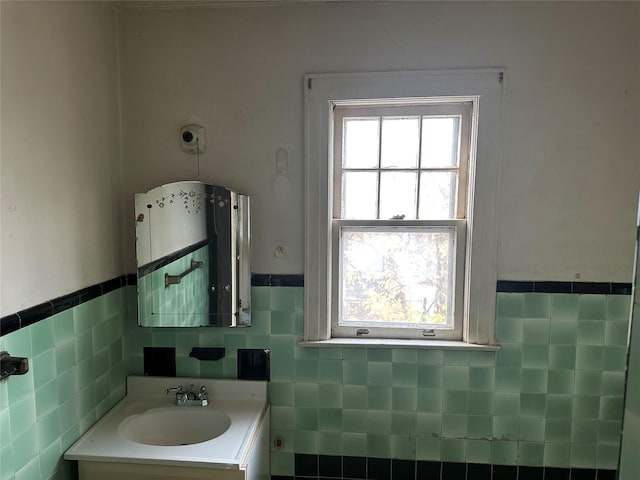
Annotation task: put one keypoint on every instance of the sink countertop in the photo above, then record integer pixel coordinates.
(245, 402)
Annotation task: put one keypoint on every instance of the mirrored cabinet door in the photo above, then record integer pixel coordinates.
(193, 256)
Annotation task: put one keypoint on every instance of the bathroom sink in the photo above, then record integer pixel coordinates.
(174, 426)
(146, 427)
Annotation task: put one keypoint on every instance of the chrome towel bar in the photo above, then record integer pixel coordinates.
(175, 279)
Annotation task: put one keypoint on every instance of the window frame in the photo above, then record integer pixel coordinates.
(322, 91)
(429, 108)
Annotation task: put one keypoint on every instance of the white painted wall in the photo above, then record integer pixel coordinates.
(571, 168)
(161, 231)
(60, 175)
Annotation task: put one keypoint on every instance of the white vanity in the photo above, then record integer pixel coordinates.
(153, 435)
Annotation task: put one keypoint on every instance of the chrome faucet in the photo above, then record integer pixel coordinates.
(189, 398)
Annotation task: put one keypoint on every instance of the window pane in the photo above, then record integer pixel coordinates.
(440, 141)
(397, 278)
(400, 142)
(437, 195)
(359, 195)
(361, 141)
(398, 195)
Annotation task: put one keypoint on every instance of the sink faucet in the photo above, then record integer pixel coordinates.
(189, 398)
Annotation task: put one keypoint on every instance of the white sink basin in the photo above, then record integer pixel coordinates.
(174, 426)
(147, 427)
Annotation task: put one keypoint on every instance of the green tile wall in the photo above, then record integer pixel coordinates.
(551, 396)
(164, 305)
(77, 372)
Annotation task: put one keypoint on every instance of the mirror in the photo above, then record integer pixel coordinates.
(193, 256)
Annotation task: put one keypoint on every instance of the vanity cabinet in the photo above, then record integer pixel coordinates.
(239, 451)
(254, 467)
(130, 471)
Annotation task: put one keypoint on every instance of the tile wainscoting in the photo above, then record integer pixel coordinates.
(551, 397)
(77, 372)
(549, 401)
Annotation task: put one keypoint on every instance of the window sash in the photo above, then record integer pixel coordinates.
(418, 332)
(433, 108)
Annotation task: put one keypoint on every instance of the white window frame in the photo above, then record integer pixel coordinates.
(322, 91)
(432, 107)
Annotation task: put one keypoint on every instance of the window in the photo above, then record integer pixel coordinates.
(399, 203)
(401, 180)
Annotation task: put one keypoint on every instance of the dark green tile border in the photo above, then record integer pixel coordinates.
(505, 286)
(316, 467)
(268, 280)
(166, 260)
(603, 288)
(24, 318)
(29, 316)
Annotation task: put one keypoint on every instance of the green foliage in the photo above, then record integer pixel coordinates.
(396, 277)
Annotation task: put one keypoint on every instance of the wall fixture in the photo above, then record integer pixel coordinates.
(199, 234)
(207, 353)
(176, 279)
(12, 365)
(193, 138)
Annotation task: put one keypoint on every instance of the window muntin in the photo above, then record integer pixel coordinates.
(421, 153)
(400, 193)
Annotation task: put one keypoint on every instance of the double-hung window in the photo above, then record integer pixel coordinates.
(398, 228)
(400, 245)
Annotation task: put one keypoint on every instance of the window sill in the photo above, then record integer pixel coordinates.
(396, 343)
